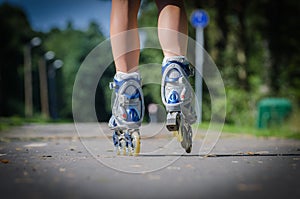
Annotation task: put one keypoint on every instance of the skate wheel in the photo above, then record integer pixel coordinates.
(130, 151)
(124, 151)
(123, 147)
(175, 133)
(178, 136)
(116, 141)
(186, 134)
(117, 150)
(189, 149)
(136, 143)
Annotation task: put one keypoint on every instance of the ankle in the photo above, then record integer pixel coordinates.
(119, 76)
(181, 59)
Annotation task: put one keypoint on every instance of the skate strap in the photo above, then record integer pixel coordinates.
(117, 84)
(188, 70)
(136, 95)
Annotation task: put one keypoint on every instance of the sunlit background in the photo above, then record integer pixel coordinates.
(255, 45)
(45, 15)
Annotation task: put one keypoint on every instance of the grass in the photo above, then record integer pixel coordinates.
(6, 123)
(9, 122)
(282, 131)
(290, 128)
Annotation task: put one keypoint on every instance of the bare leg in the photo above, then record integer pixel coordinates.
(125, 45)
(176, 92)
(172, 27)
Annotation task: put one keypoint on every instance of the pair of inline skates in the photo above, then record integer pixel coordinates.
(128, 105)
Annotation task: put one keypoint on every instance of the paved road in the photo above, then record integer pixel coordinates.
(52, 161)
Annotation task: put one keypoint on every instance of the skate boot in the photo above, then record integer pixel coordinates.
(178, 98)
(127, 112)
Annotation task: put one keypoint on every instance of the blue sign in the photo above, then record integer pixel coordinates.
(199, 19)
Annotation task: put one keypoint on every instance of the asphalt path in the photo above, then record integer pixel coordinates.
(64, 161)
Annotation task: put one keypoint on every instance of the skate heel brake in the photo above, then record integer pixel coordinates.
(173, 121)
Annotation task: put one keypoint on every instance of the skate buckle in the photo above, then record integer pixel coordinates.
(173, 120)
(112, 85)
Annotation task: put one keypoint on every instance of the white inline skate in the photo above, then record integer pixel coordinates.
(127, 112)
(178, 98)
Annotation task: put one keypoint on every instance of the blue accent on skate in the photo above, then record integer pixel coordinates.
(134, 96)
(114, 123)
(132, 115)
(174, 98)
(118, 84)
(128, 139)
(116, 139)
(187, 70)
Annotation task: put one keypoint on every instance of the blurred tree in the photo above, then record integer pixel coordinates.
(282, 33)
(72, 51)
(15, 33)
(256, 47)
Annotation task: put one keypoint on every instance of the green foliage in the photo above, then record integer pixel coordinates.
(72, 51)
(254, 52)
(241, 108)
